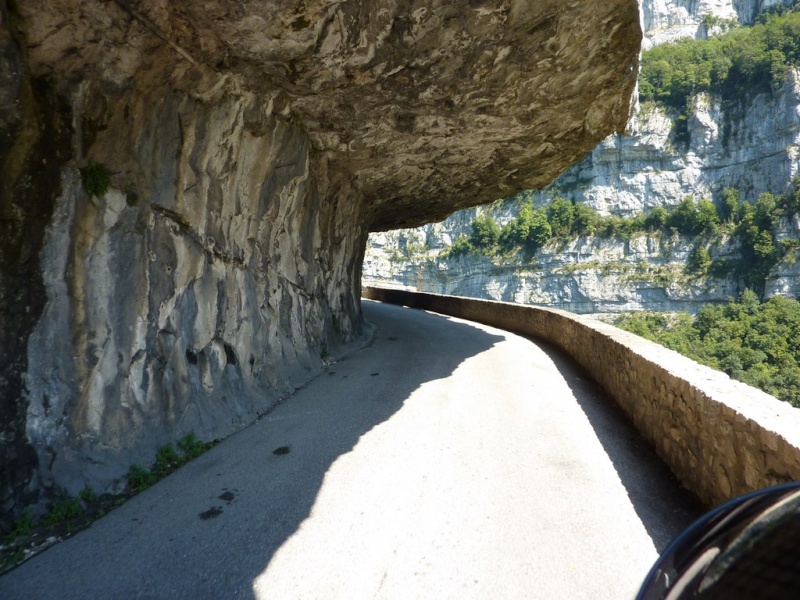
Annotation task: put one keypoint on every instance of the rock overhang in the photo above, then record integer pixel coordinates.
(424, 107)
(434, 106)
(251, 147)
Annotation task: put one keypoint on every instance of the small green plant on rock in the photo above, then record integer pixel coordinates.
(139, 478)
(96, 179)
(22, 527)
(87, 495)
(68, 515)
(168, 459)
(699, 261)
(192, 447)
(63, 511)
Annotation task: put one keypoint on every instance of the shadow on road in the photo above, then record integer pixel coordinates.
(210, 529)
(410, 348)
(660, 501)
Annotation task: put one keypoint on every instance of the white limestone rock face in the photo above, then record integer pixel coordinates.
(192, 307)
(666, 21)
(754, 151)
(588, 275)
(785, 279)
(669, 20)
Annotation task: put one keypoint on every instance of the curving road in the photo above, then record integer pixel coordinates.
(446, 460)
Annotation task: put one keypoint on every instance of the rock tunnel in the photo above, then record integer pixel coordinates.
(187, 188)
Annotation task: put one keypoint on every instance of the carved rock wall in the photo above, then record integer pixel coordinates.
(251, 147)
(193, 311)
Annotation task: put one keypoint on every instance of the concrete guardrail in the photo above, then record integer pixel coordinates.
(720, 437)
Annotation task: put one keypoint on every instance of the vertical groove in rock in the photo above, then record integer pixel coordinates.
(35, 140)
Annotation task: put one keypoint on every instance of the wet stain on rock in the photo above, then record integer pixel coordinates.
(211, 513)
(227, 496)
(374, 374)
(281, 450)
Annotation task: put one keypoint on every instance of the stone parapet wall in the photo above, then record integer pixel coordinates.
(720, 437)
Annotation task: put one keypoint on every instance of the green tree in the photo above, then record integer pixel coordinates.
(757, 251)
(529, 231)
(793, 199)
(561, 215)
(766, 211)
(755, 342)
(516, 231)
(657, 219)
(684, 219)
(461, 246)
(729, 208)
(585, 220)
(699, 260)
(764, 246)
(539, 231)
(741, 63)
(707, 217)
(485, 234)
(509, 238)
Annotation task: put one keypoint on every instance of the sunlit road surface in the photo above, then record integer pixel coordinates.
(445, 460)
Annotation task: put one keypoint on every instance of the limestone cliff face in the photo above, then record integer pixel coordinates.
(588, 275)
(193, 311)
(755, 151)
(249, 147)
(669, 20)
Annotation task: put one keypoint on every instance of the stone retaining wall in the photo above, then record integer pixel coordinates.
(720, 437)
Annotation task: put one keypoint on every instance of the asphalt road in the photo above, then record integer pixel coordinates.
(445, 460)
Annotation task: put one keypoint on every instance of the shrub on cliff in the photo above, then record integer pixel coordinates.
(752, 224)
(708, 219)
(461, 246)
(730, 206)
(529, 231)
(656, 219)
(760, 250)
(699, 261)
(96, 179)
(539, 231)
(561, 216)
(485, 234)
(483, 239)
(585, 221)
(734, 66)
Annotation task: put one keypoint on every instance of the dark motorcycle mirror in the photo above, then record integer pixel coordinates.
(745, 549)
